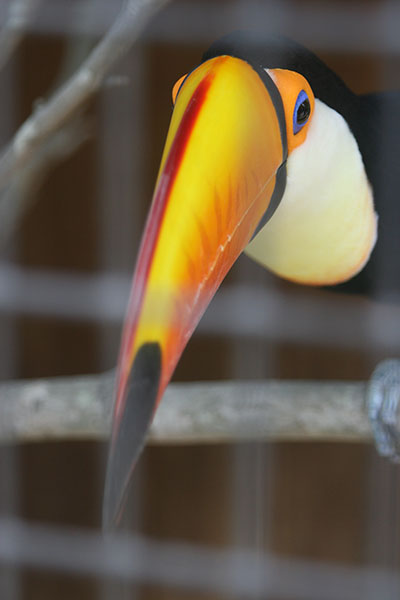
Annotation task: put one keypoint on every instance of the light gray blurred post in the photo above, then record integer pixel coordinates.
(10, 582)
(120, 184)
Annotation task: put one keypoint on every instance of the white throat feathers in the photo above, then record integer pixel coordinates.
(325, 227)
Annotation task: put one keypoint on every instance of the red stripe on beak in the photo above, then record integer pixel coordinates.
(161, 196)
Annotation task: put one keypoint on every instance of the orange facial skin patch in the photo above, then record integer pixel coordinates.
(290, 84)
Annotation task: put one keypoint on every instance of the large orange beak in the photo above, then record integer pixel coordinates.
(217, 176)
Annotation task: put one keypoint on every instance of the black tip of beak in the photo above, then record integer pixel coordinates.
(140, 402)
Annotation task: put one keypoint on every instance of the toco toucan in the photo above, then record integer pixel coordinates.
(268, 152)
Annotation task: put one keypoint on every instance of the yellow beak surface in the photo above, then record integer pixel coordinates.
(216, 179)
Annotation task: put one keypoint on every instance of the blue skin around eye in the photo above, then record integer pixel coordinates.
(300, 99)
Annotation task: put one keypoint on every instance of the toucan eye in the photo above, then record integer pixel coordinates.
(301, 112)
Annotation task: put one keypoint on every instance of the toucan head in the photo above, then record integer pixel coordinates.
(259, 158)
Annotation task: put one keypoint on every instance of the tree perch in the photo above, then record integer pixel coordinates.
(80, 408)
(70, 97)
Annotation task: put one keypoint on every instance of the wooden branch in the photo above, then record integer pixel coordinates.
(80, 408)
(18, 196)
(69, 98)
(64, 141)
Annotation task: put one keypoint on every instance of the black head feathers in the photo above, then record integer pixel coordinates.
(275, 51)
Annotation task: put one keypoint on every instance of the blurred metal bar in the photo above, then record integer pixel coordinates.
(239, 573)
(231, 411)
(81, 296)
(14, 26)
(120, 164)
(10, 469)
(382, 522)
(299, 315)
(339, 27)
(63, 17)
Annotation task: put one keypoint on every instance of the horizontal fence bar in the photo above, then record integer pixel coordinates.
(232, 572)
(297, 315)
(349, 26)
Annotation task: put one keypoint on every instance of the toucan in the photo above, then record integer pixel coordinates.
(268, 151)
